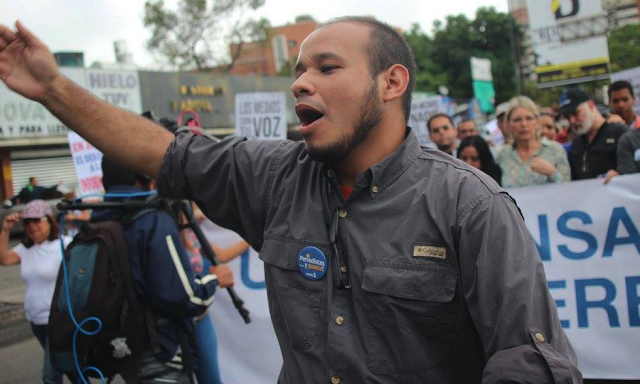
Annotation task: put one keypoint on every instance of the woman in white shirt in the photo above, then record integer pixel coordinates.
(40, 256)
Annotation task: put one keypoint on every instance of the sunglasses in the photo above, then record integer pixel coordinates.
(31, 220)
(340, 262)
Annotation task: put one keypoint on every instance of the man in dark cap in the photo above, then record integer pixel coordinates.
(593, 152)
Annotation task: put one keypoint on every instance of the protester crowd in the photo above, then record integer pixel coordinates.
(533, 146)
(536, 145)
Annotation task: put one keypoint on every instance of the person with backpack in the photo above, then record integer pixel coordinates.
(40, 255)
(163, 280)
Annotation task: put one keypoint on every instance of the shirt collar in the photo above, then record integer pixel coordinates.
(386, 172)
(383, 174)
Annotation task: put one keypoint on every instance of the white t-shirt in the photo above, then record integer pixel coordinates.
(39, 270)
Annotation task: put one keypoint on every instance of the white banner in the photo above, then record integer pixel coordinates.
(23, 118)
(87, 160)
(118, 87)
(544, 18)
(247, 353)
(481, 69)
(261, 115)
(633, 76)
(421, 110)
(587, 235)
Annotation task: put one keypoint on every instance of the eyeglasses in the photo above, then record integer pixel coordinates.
(340, 262)
(31, 220)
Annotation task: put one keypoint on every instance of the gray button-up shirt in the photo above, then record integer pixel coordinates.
(446, 283)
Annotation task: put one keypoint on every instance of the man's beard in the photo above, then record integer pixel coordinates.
(586, 124)
(370, 116)
(445, 148)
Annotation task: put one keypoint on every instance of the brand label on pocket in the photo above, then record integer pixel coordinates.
(429, 251)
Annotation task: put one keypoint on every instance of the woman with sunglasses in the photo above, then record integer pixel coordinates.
(475, 151)
(531, 159)
(39, 255)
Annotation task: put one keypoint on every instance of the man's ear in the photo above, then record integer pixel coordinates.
(395, 80)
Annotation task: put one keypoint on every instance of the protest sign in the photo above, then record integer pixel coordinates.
(261, 115)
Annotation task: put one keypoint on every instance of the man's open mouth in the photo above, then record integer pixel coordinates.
(307, 114)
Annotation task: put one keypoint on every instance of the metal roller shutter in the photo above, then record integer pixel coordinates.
(50, 167)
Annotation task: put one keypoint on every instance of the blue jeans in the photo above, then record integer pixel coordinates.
(49, 374)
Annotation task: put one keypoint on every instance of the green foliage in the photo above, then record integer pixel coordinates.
(197, 34)
(545, 97)
(428, 74)
(624, 47)
(444, 59)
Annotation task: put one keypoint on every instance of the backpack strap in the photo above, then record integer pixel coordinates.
(133, 216)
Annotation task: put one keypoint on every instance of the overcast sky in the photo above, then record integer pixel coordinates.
(91, 26)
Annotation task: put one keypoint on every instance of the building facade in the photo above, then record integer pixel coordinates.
(276, 55)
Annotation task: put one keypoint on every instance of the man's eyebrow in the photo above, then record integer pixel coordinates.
(318, 57)
(327, 56)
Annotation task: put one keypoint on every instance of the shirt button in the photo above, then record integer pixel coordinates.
(342, 213)
(343, 269)
(539, 337)
(330, 174)
(339, 320)
(375, 189)
(335, 379)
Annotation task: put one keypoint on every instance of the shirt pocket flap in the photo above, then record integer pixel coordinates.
(433, 282)
(284, 253)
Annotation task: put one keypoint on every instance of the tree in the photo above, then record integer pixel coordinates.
(197, 35)
(444, 59)
(624, 47)
(428, 75)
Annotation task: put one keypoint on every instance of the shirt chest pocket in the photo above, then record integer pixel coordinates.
(411, 310)
(294, 301)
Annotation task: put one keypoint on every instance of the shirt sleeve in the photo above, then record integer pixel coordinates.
(563, 171)
(626, 163)
(229, 180)
(20, 250)
(505, 287)
(170, 282)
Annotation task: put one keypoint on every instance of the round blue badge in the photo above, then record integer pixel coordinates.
(312, 263)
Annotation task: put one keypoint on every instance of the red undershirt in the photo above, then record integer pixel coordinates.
(346, 191)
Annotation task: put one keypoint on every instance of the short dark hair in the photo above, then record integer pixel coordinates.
(114, 173)
(386, 47)
(466, 120)
(620, 85)
(437, 115)
(53, 234)
(487, 163)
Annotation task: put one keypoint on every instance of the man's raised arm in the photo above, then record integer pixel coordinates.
(28, 68)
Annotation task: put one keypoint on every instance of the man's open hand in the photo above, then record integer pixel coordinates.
(26, 64)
